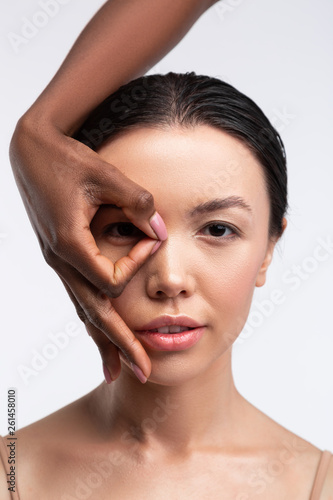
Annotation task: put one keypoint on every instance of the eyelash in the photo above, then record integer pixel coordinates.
(225, 226)
(107, 230)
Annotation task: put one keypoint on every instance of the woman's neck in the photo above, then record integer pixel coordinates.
(203, 412)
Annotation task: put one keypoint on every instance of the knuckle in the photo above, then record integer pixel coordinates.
(121, 279)
(61, 235)
(113, 289)
(134, 345)
(129, 266)
(64, 245)
(95, 319)
(59, 243)
(49, 256)
(82, 317)
(90, 190)
(130, 346)
(130, 349)
(143, 201)
(81, 314)
(97, 314)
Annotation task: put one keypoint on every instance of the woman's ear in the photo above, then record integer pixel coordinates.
(261, 276)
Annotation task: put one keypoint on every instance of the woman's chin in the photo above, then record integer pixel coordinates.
(168, 368)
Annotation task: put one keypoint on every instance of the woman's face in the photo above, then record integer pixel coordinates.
(211, 193)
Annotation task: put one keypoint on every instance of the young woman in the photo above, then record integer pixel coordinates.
(186, 432)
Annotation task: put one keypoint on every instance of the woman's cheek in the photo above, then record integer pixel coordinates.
(230, 290)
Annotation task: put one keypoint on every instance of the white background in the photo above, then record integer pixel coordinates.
(279, 54)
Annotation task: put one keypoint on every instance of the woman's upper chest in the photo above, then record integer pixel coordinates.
(215, 481)
(117, 476)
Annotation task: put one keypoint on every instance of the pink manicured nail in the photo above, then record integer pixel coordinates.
(158, 226)
(138, 372)
(107, 375)
(156, 247)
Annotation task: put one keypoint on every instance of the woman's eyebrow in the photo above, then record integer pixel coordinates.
(220, 204)
(210, 205)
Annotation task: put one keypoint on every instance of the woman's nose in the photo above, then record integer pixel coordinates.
(170, 274)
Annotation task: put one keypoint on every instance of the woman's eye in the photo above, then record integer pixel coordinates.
(218, 230)
(123, 230)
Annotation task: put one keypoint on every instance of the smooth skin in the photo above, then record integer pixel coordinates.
(60, 211)
(187, 433)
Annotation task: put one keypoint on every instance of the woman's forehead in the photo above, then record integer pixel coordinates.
(199, 162)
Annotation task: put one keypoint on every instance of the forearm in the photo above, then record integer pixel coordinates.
(121, 42)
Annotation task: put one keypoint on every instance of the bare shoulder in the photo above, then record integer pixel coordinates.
(64, 424)
(327, 492)
(296, 460)
(45, 444)
(291, 462)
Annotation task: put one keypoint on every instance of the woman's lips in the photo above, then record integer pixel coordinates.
(170, 341)
(168, 320)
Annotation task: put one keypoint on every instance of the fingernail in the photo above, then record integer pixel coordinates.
(139, 373)
(156, 247)
(107, 375)
(158, 226)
